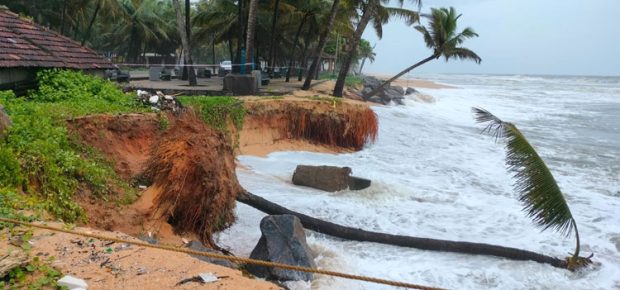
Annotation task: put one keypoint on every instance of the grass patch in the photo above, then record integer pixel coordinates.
(38, 156)
(349, 81)
(331, 100)
(216, 111)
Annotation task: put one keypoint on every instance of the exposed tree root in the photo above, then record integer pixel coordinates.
(350, 233)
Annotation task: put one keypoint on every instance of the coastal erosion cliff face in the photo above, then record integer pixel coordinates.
(189, 167)
(316, 125)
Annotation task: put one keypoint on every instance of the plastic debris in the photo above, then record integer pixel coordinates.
(72, 283)
(154, 99)
(208, 277)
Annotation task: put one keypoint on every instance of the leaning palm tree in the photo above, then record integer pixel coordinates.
(373, 12)
(442, 37)
(540, 194)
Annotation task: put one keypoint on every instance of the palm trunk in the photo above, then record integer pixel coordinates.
(272, 42)
(230, 50)
(292, 57)
(361, 66)
(356, 234)
(321, 46)
(375, 91)
(352, 46)
(62, 18)
(181, 27)
(249, 40)
(213, 50)
(576, 254)
(90, 24)
(240, 18)
(304, 54)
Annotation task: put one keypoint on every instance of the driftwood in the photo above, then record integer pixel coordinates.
(12, 259)
(356, 234)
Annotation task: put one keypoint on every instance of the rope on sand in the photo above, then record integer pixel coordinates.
(224, 257)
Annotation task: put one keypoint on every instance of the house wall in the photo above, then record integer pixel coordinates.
(14, 75)
(20, 80)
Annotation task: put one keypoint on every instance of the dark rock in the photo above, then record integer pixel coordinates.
(366, 91)
(393, 92)
(283, 241)
(328, 178)
(357, 183)
(5, 122)
(410, 91)
(197, 246)
(398, 89)
(371, 82)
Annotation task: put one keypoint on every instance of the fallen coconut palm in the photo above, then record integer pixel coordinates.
(356, 234)
(540, 194)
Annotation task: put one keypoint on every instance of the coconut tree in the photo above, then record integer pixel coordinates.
(441, 36)
(373, 11)
(249, 41)
(217, 21)
(111, 8)
(183, 31)
(322, 41)
(142, 24)
(537, 189)
(366, 52)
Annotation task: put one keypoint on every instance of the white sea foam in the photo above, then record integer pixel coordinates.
(435, 176)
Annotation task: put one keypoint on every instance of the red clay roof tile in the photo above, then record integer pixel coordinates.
(25, 44)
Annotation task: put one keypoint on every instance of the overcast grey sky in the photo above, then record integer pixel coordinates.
(571, 37)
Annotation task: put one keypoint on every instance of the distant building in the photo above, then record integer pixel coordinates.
(26, 47)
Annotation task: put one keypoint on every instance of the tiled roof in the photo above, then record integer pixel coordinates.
(26, 44)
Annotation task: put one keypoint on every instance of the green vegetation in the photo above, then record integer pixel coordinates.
(350, 80)
(216, 111)
(35, 275)
(39, 157)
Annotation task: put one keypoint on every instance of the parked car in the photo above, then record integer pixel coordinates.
(226, 65)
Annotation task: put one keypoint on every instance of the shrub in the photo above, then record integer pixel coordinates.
(39, 142)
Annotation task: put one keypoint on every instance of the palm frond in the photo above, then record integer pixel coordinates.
(408, 16)
(462, 54)
(428, 39)
(538, 191)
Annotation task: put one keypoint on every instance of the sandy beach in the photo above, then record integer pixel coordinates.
(414, 83)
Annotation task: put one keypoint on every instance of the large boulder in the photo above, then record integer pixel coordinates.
(5, 122)
(394, 94)
(410, 91)
(283, 241)
(384, 96)
(371, 82)
(328, 178)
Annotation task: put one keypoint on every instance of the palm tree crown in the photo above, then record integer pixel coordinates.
(441, 35)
